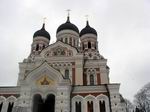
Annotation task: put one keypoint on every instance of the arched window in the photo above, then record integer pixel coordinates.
(67, 74)
(91, 79)
(78, 107)
(90, 106)
(89, 45)
(10, 106)
(102, 106)
(66, 40)
(1, 105)
(37, 47)
(70, 42)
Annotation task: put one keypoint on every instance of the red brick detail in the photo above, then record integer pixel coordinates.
(8, 95)
(98, 78)
(73, 76)
(86, 94)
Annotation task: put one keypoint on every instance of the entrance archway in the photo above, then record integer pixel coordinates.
(39, 105)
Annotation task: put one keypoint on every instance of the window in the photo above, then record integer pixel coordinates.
(66, 40)
(91, 79)
(102, 106)
(67, 74)
(37, 47)
(91, 76)
(10, 106)
(70, 42)
(89, 45)
(90, 106)
(78, 107)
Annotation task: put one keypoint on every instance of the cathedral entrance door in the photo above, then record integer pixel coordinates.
(40, 106)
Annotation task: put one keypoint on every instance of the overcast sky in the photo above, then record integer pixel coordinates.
(123, 28)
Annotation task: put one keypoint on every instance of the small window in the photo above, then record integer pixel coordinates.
(10, 106)
(66, 40)
(89, 45)
(37, 47)
(78, 107)
(102, 106)
(91, 80)
(90, 106)
(67, 74)
(70, 42)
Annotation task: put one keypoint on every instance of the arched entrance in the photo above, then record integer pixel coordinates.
(39, 105)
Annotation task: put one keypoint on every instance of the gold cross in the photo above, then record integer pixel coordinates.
(68, 11)
(87, 17)
(44, 19)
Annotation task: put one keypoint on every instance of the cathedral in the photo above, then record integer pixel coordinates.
(69, 75)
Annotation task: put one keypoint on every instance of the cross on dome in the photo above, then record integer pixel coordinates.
(44, 20)
(68, 12)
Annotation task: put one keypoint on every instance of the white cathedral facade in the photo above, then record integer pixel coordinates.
(69, 75)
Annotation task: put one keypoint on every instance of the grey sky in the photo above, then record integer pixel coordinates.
(123, 28)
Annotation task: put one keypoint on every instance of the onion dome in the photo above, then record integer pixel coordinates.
(67, 26)
(42, 32)
(88, 30)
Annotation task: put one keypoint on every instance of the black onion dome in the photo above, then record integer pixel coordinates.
(88, 30)
(42, 32)
(67, 26)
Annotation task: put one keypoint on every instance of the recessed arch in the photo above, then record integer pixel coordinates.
(77, 98)
(90, 98)
(11, 99)
(103, 102)
(2, 99)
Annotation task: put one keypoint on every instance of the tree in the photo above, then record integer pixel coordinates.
(129, 106)
(142, 99)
